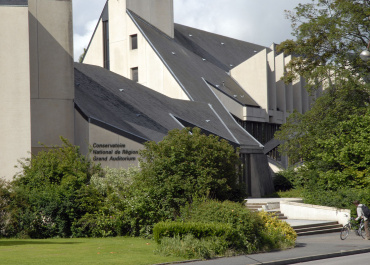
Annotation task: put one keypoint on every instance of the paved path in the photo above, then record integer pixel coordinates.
(307, 248)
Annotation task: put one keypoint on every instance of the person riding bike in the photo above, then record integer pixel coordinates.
(363, 212)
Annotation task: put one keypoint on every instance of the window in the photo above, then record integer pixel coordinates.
(135, 74)
(133, 40)
(106, 44)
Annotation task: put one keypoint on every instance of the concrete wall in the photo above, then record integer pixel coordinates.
(255, 114)
(118, 44)
(95, 50)
(239, 110)
(288, 91)
(158, 13)
(262, 183)
(301, 211)
(15, 125)
(52, 76)
(121, 152)
(271, 81)
(298, 95)
(258, 174)
(230, 104)
(252, 76)
(260, 76)
(81, 133)
(152, 72)
(105, 151)
(280, 86)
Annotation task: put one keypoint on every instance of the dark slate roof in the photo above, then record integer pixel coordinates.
(13, 2)
(132, 110)
(189, 67)
(222, 51)
(193, 74)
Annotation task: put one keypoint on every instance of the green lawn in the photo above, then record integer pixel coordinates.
(118, 250)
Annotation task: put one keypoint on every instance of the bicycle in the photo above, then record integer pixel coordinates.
(360, 231)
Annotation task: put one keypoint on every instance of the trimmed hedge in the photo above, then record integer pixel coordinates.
(197, 229)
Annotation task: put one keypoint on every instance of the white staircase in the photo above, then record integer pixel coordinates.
(302, 227)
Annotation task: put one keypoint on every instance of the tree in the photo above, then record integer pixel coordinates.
(187, 164)
(347, 153)
(50, 192)
(301, 133)
(330, 138)
(82, 56)
(330, 34)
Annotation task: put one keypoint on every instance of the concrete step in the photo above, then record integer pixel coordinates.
(316, 228)
(315, 225)
(317, 232)
(320, 228)
(255, 205)
(278, 214)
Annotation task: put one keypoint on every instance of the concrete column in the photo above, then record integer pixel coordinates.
(117, 35)
(15, 125)
(157, 12)
(52, 72)
(280, 85)
(271, 80)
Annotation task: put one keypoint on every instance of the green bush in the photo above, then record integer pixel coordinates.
(197, 229)
(120, 209)
(248, 225)
(51, 193)
(281, 183)
(5, 197)
(277, 234)
(341, 198)
(186, 165)
(114, 180)
(100, 224)
(254, 231)
(194, 248)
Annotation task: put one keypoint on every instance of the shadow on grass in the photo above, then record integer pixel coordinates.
(14, 242)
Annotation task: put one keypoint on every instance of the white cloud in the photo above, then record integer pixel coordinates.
(262, 22)
(82, 40)
(85, 17)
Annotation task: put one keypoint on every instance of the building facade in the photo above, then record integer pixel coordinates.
(142, 75)
(37, 84)
(180, 61)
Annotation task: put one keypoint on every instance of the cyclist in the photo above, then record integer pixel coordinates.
(362, 212)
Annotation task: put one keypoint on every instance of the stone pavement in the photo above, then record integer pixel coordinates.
(307, 248)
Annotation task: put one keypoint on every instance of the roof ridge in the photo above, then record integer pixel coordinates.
(223, 36)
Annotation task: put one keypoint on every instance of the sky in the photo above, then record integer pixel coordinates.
(261, 22)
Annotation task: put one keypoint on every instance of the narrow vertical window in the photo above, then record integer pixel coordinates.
(133, 40)
(106, 44)
(135, 74)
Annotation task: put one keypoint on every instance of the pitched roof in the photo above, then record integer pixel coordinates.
(132, 110)
(222, 51)
(199, 75)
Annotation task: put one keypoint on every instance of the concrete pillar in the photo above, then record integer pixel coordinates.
(157, 12)
(271, 81)
(280, 85)
(117, 37)
(51, 63)
(15, 125)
